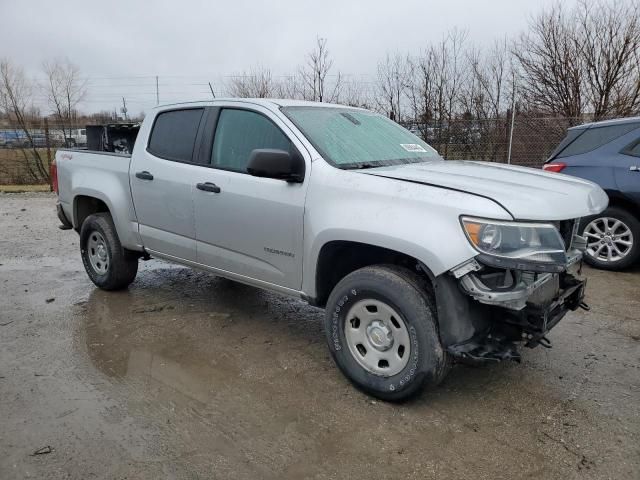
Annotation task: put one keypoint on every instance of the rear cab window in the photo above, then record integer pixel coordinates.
(173, 135)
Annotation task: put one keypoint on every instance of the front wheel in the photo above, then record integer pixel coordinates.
(108, 264)
(382, 333)
(613, 239)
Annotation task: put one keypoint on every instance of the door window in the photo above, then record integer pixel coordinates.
(174, 134)
(238, 133)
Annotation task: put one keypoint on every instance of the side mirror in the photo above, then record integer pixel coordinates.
(278, 164)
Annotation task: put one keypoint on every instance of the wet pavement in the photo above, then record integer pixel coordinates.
(186, 375)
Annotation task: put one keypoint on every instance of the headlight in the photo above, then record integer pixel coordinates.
(536, 246)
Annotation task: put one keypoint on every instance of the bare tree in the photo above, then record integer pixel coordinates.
(421, 87)
(314, 75)
(290, 86)
(64, 89)
(435, 86)
(454, 71)
(16, 103)
(354, 92)
(583, 61)
(393, 78)
(486, 99)
(257, 83)
(487, 92)
(551, 67)
(609, 43)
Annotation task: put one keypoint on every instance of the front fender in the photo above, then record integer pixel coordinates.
(416, 220)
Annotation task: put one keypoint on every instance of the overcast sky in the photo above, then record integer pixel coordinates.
(121, 45)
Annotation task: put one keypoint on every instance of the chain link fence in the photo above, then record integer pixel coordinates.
(25, 156)
(531, 141)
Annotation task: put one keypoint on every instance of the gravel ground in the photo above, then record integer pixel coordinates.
(186, 375)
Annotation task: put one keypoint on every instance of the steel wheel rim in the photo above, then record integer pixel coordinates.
(98, 253)
(378, 337)
(609, 239)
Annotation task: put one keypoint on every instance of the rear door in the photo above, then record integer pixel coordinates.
(628, 172)
(162, 175)
(246, 225)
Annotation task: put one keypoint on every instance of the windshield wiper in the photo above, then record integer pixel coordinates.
(358, 166)
(351, 118)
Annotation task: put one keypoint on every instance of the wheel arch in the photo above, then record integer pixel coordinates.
(85, 205)
(337, 258)
(619, 200)
(89, 201)
(457, 319)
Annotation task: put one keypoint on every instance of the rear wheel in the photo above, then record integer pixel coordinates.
(108, 264)
(381, 329)
(613, 239)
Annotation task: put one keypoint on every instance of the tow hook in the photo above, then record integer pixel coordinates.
(584, 306)
(545, 342)
(539, 340)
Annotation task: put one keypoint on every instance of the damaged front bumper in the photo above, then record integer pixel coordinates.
(498, 309)
(512, 289)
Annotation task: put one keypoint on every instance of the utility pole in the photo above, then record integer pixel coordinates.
(157, 92)
(513, 118)
(48, 145)
(124, 109)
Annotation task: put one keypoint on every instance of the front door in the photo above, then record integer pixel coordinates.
(246, 225)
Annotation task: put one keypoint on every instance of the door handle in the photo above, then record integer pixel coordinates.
(208, 187)
(634, 168)
(144, 175)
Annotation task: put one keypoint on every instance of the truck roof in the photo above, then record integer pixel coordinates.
(266, 102)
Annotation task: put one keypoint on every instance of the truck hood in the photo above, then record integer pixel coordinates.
(526, 193)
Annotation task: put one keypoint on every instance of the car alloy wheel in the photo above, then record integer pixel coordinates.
(609, 239)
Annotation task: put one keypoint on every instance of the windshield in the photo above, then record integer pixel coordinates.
(350, 138)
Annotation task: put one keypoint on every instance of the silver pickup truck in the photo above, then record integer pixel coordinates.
(416, 260)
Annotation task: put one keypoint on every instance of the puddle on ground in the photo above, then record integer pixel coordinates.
(247, 372)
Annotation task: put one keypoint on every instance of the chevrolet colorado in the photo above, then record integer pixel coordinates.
(417, 261)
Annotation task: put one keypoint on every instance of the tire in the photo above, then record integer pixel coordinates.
(627, 229)
(108, 264)
(412, 351)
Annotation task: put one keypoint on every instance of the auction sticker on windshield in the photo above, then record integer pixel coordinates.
(412, 147)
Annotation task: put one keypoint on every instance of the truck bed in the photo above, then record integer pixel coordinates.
(99, 175)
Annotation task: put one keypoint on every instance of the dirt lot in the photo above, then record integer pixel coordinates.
(190, 376)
